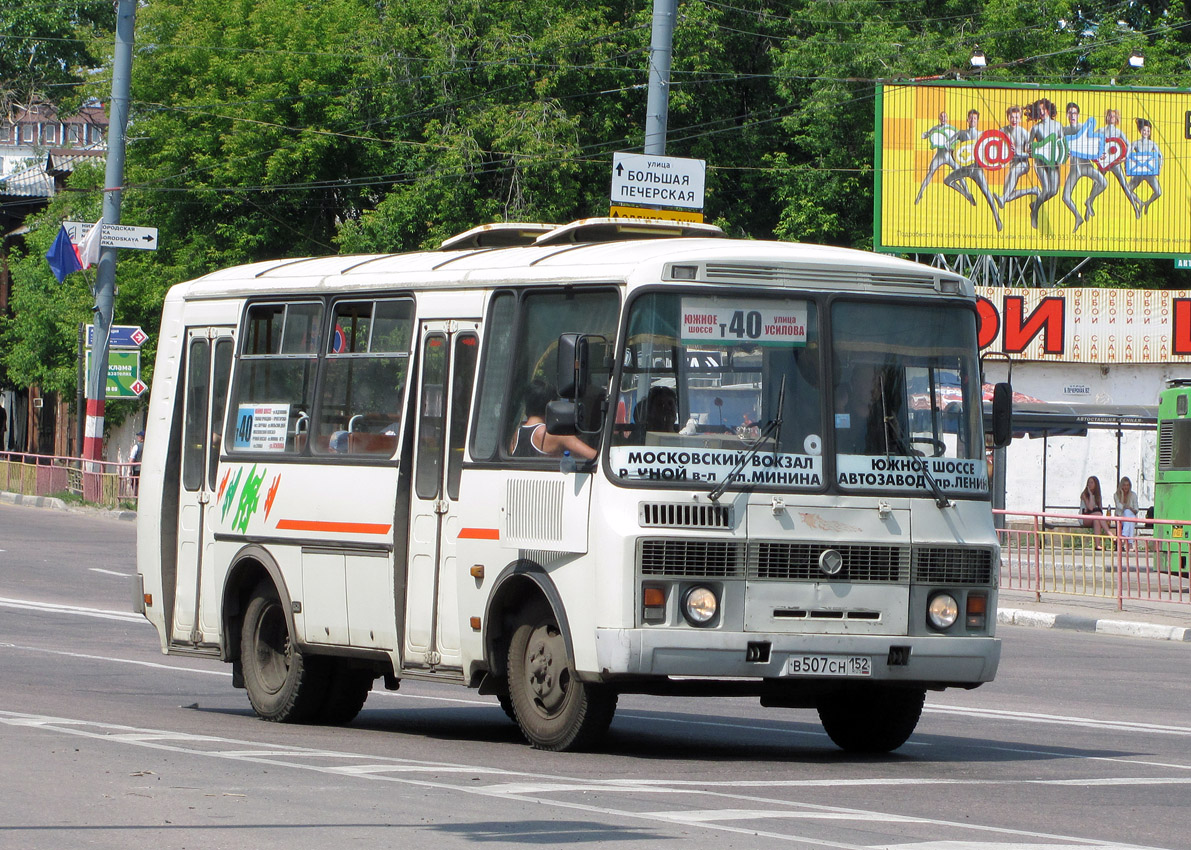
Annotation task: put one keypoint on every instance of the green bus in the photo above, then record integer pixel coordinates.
(1172, 484)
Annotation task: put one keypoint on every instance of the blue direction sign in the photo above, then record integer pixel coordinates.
(122, 336)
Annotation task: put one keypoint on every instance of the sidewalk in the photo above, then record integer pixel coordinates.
(1153, 620)
(59, 505)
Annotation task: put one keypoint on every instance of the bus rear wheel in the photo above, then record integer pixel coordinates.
(283, 684)
(555, 710)
(875, 719)
(348, 688)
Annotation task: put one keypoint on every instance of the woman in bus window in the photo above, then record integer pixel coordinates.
(531, 438)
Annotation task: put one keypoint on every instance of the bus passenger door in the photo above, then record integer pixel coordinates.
(446, 374)
(208, 368)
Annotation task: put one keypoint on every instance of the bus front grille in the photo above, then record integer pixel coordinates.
(952, 565)
(698, 558)
(800, 562)
(771, 560)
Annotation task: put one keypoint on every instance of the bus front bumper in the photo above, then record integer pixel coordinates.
(930, 661)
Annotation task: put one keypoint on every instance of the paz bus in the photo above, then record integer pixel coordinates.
(1172, 481)
(444, 466)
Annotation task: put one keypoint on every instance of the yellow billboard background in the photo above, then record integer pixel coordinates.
(939, 215)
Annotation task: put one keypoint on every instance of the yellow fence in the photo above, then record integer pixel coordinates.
(109, 485)
(1125, 559)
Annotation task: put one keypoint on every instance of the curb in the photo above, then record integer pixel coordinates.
(33, 501)
(59, 505)
(1073, 622)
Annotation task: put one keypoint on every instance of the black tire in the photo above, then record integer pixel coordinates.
(283, 685)
(555, 710)
(877, 719)
(347, 691)
(506, 705)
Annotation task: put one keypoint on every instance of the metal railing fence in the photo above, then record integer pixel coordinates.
(104, 483)
(1124, 558)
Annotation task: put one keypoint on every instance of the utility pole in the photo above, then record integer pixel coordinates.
(657, 106)
(105, 277)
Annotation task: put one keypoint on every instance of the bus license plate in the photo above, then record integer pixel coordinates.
(829, 665)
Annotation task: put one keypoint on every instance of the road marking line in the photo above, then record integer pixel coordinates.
(27, 605)
(111, 572)
(155, 739)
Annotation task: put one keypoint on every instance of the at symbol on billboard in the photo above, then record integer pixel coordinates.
(994, 150)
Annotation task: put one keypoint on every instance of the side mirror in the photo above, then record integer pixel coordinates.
(574, 367)
(562, 417)
(1002, 415)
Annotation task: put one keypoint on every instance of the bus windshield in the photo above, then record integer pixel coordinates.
(712, 382)
(701, 381)
(907, 398)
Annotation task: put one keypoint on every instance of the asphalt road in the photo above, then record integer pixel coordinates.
(1083, 740)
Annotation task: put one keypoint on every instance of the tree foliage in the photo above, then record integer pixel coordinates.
(274, 128)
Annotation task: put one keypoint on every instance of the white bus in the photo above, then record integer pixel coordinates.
(562, 463)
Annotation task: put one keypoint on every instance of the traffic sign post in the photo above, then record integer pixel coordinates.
(122, 336)
(657, 181)
(124, 374)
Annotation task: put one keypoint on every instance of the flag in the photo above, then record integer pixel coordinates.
(62, 256)
(89, 247)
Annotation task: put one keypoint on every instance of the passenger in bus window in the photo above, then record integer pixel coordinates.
(531, 439)
(658, 411)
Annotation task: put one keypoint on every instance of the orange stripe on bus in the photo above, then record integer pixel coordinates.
(334, 527)
(479, 534)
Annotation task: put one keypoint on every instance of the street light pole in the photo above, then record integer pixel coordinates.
(657, 106)
(105, 277)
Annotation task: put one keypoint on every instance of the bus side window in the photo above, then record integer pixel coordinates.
(363, 382)
(544, 315)
(274, 391)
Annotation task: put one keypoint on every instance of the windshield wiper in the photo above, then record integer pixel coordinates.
(774, 425)
(891, 427)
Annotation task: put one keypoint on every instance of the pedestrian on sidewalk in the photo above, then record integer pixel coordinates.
(1091, 505)
(1126, 506)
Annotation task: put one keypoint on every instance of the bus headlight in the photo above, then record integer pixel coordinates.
(699, 605)
(942, 611)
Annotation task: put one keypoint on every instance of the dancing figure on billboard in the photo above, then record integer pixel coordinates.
(941, 138)
(1084, 147)
(969, 168)
(1144, 164)
(1019, 166)
(1048, 150)
(1116, 149)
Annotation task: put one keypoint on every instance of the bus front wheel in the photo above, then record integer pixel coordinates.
(555, 710)
(875, 719)
(283, 685)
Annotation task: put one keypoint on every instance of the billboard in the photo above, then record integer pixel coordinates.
(1000, 169)
(1106, 326)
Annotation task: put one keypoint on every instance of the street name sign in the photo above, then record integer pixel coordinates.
(122, 336)
(126, 236)
(114, 235)
(124, 374)
(657, 181)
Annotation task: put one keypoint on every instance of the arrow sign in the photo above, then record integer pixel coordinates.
(125, 236)
(657, 181)
(122, 336)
